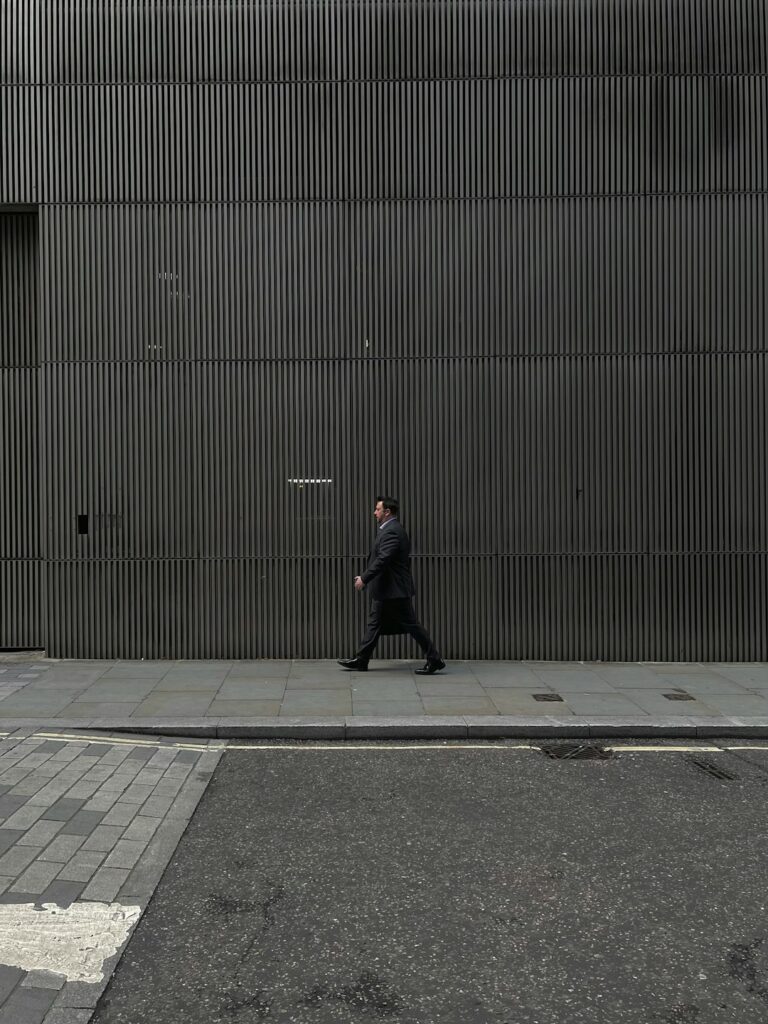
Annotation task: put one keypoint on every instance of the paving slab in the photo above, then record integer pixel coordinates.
(388, 687)
(699, 682)
(522, 702)
(737, 704)
(43, 979)
(33, 708)
(653, 702)
(27, 1005)
(386, 708)
(234, 708)
(189, 682)
(427, 686)
(326, 681)
(575, 682)
(67, 1015)
(98, 709)
(493, 681)
(118, 690)
(131, 671)
(210, 699)
(260, 670)
(180, 702)
(625, 675)
(458, 705)
(751, 676)
(76, 675)
(314, 702)
(665, 667)
(251, 689)
(600, 703)
(45, 684)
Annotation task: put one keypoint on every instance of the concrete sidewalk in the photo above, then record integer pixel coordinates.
(305, 699)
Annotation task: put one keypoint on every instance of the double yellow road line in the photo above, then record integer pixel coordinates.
(382, 745)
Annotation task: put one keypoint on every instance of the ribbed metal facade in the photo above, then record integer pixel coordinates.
(20, 508)
(505, 260)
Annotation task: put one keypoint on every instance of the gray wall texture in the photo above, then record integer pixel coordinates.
(505, 260)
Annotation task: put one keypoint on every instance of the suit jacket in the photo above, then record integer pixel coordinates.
(388, 574)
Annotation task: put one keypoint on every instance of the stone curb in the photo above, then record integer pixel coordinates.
(415, 727)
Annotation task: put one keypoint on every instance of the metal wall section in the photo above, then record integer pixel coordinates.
(505, 260)
(405, 139)
(18, 144)
(20, 548)
(625, 275)
(218, 40)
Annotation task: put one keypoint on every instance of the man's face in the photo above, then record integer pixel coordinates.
(381, 513)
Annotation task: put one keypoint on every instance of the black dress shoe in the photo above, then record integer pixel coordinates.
(430, 668)
(356, 664)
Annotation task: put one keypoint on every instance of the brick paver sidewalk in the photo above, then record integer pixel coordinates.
(85, 823)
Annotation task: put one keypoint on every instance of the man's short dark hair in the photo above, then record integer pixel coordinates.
(389, 503)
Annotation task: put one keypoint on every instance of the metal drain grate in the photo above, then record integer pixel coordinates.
(576, 752)
(712, 769)
(547, 696)
(679, 696)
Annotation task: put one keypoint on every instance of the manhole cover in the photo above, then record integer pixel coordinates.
(679, 696)
(547, 696)
(712, 769)
(577, 752)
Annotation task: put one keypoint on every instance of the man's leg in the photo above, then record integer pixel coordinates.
(368, 643)
(412, 625)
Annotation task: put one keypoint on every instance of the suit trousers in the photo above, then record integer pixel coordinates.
(397, 612)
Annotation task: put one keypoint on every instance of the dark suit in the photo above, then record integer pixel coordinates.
(389, 581)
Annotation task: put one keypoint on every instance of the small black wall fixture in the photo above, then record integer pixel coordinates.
(82, 524)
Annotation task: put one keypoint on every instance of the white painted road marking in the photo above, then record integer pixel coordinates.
(73, 941)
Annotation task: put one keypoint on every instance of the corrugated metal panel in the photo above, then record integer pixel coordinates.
(19, 41)
(617, 607)
(545, 455)
(18, 144)
(406, 139)
(18, 290)
(219, 40)
(380, 279)
(20, 549)
(19, 500)
(21, 626)
(506, 260)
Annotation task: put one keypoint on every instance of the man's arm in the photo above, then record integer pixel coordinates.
(388, 548)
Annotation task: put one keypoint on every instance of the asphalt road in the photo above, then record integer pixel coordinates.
(464, 886)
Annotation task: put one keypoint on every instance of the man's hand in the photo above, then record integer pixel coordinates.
(359, 583)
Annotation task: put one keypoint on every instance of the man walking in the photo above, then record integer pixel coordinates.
(389, 579)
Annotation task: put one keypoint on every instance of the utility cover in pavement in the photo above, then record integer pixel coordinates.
(576, 752)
